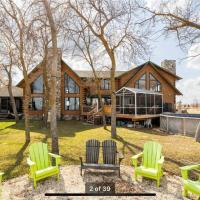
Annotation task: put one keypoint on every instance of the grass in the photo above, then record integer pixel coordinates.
(178, 150)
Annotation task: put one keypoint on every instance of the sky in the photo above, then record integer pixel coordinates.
(188, 69)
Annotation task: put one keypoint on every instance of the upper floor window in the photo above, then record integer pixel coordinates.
(141, 83)
(154, 84)
(70, 85)
(105, 84)
(37, 85)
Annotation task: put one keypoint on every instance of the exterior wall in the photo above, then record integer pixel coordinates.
(168, 92)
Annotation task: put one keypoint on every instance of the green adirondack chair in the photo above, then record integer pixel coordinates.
(152, 161)
(1, 175)
(40, 162)
(190, 185)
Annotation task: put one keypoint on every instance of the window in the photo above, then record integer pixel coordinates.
(141, 83)
(154, 84)
(72, 103)
(105, 84)
(70, 85)
(37, 85)
(36, 103)
(106, 100)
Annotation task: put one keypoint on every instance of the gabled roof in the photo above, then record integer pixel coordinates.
(157, 69)
(17, 92)
(100, 74)
(105, 74)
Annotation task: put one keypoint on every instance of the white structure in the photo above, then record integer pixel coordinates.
(139, 102)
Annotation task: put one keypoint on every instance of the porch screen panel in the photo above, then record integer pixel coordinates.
(129, 104)
(158, 104)
(118, 104)
(141, 104)
(150, 104)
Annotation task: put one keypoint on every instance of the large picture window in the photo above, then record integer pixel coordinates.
(70, 85)
(105, 84)
(36, 103)
(154, 84)
(141, 83)
(37, 85)
(72, 103)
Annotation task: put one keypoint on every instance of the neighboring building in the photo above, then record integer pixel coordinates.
(5, 103)
(77, 89)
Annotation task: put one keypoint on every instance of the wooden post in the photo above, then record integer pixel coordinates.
(135, 103)
(167, 124)
(184, 131)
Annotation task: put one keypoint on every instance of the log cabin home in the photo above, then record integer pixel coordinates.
(77, 93)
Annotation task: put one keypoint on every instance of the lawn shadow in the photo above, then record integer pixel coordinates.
(19, 159)
(154, 131)
(65, 128)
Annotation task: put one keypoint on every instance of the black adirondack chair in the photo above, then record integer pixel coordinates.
(111, 157)
(92, 155)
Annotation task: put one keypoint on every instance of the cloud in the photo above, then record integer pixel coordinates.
(190, 89)
(155, 4)
(193, 60)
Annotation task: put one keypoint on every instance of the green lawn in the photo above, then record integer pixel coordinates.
(178, 150)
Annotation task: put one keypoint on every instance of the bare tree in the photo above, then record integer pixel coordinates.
(7, 63)
(112, 23)
(17, 21)
(182, 19)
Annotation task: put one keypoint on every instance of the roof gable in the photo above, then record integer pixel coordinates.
(157, 69)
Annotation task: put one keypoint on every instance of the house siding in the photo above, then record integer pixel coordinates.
(127, 79)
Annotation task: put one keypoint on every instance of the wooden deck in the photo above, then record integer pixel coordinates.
(129, 116)
(133, 117)
(137, 117)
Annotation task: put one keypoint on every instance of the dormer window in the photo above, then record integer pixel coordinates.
(154, 84)
(37, 85)
(141, 83)
(70, 85)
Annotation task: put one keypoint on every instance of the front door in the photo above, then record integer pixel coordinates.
(4, 105)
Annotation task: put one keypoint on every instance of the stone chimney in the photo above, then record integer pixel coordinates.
(58, 77)
(169, 65)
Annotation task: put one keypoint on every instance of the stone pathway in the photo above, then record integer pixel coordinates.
(22, 188)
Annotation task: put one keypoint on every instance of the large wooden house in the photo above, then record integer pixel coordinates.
(77, 91)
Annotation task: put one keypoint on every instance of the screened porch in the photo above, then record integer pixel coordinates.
(134, 101)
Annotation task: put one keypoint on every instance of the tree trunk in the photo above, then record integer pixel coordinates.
(26, 111)
(46, 90)
(53, 120)
(113, 98)
(12, 97)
